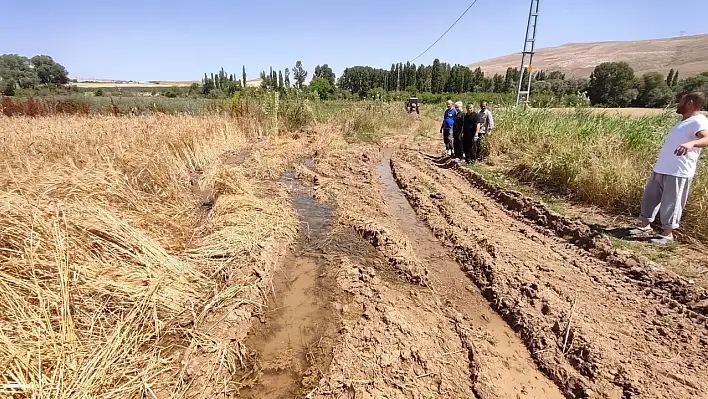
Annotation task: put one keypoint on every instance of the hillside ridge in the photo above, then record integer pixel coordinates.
(687, 54)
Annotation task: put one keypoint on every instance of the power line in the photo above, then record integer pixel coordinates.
(445, 33)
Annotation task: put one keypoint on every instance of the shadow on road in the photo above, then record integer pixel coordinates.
(621, 233)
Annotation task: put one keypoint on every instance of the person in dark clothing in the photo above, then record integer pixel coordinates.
(470, 130)
(457, 131)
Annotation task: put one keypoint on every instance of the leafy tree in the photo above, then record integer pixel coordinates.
(324, 72)
(555, 75)
(487, 85)
(243, 75)
(7, 87)
(511, 79)
(98, 92)
(49, 71)
(674, 82)
(542, 87)
(498, 81)
(281, 83)
(287, 78)
(193, 88)
(216, 94)
(436, 81)
(653, 91)
(207, 85)
(172, 92)
(612, 84)
(670, 77)
(299, 74)
(19, 70)
(322, 87)
(477, 82)
(693, 83)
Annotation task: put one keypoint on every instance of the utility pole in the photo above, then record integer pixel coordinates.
(524, 96)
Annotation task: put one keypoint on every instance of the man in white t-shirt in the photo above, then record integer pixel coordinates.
(667, 189)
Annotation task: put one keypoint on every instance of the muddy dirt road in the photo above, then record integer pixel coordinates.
(590, 327)
(411, 281)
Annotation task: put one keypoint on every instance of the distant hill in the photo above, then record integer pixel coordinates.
(688, 54)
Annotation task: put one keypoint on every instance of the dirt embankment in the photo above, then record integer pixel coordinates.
(589, 324)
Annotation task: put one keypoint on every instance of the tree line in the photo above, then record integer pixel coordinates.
(28, 73)
(611, 84)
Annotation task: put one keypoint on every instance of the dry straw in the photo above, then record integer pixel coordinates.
(105, 270)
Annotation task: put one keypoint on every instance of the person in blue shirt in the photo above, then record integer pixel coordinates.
(446, 127)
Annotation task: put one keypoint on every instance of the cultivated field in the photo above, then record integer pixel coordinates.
(327, 251)
(152, 84)
(163, 83)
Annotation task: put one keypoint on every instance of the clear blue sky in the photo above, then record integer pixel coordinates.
(180, 40)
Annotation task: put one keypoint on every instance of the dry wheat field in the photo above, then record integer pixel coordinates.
(217, 256)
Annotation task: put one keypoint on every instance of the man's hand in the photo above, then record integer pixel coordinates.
(683, 148)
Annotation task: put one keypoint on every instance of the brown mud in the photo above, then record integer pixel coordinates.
(585, 320)
(292, 341)
(501, 364)
(647, 274)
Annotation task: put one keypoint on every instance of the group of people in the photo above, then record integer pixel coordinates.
(463, 132)
(666, 190)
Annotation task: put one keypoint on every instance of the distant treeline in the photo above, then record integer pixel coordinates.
(611, 84)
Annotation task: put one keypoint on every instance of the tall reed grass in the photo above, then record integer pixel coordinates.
(602, 159)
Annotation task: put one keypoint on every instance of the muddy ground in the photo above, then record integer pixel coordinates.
(412, 278)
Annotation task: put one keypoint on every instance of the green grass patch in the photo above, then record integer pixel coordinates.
(655, 253)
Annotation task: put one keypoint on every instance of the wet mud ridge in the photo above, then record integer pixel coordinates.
(587, 324)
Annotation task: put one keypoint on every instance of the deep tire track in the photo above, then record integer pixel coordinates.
(622, 343)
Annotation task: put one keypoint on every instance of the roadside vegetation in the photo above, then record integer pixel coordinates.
(599, 158)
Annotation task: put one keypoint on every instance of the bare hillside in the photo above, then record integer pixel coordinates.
(687, 54)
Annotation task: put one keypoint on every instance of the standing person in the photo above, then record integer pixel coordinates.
(667, 188)
(457, 131)
(470, 129)
(486, 124)
(446, 127)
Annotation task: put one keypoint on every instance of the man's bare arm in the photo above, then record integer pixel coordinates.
(701, 142)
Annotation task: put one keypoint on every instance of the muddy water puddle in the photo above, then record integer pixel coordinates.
(505, 356)
(292, 343)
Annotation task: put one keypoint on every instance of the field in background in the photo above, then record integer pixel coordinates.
(149, 85)
(162, 83)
